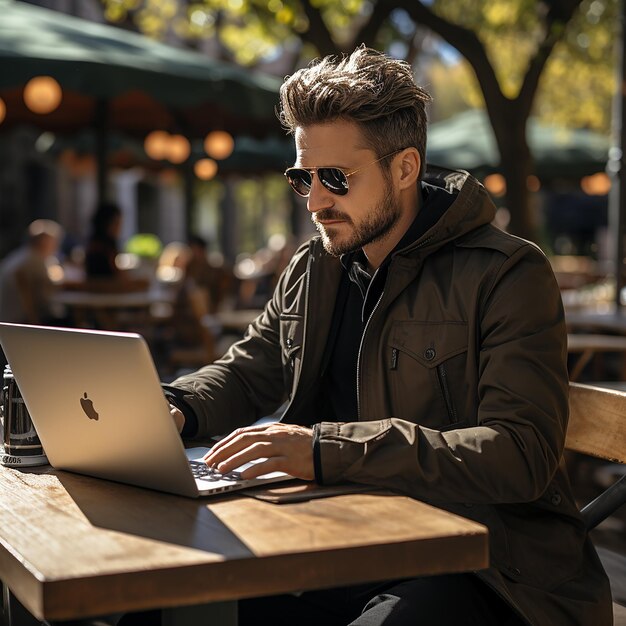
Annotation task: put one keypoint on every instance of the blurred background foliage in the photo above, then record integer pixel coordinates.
(250, 32)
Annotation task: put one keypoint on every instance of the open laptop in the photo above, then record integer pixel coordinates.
(96, 401)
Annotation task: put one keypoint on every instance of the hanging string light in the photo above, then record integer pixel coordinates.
(42, 94)
(156, 144)
(495, 184)
(219, 144)
(205, 169)
(3, 110)
(178, 149)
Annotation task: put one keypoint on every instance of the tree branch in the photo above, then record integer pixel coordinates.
(368, 31)
(559, 15)
(318, 33)
(466, 42)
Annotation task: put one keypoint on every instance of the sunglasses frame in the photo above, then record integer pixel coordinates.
(313, 170)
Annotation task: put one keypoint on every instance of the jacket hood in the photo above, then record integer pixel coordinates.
(465, 204)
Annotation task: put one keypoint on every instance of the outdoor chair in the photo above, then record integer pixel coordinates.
(597, 427)
(200, 327)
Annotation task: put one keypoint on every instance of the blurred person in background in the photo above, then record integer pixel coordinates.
(26, 288)
(201, 273)
(102, 246)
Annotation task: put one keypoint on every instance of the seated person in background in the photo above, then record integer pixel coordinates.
(422, 350)
(25, 286)
(102, 247)
(101, 270)
(201, 273)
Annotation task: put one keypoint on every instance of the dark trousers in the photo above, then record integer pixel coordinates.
(450, 600)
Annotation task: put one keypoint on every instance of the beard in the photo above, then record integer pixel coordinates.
(375, 226)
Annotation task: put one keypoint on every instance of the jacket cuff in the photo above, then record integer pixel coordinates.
(317, 458)
(175, 396)
(339, 451)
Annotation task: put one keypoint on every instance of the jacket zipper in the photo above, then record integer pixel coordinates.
(442, 375)
(358, 360)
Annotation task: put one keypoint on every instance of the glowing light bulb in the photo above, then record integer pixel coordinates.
(179, 149)
(219, 144)
(156, 144)
(42, 94)
(205, 169)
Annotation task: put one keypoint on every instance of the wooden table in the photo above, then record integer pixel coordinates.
(587, 346)
(593, 319)
(107, 309)
(237, 320)
(73, 546)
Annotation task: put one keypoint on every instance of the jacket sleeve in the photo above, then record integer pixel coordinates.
(247, 383)
(514, 445)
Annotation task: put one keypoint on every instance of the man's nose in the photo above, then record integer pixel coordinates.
(319, 197)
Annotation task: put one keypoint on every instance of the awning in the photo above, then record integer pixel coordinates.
(147, 85)
(467, 141)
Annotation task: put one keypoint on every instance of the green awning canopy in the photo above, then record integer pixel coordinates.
(146, 84)
(467, 141)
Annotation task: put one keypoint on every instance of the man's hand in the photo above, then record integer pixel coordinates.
(286, 448)
(178, 417)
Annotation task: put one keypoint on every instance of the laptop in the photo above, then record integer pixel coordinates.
(96, 401)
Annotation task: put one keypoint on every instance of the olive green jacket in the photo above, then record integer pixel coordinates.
(462, 396)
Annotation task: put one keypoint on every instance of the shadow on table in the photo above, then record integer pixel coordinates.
(158, 516)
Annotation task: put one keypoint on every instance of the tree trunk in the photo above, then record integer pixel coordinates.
(516, 167)
(508, 120)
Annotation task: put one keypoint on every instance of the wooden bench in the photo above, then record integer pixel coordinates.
(597, 427)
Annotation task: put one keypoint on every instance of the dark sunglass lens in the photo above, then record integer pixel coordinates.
(334, 180)
(300, 181)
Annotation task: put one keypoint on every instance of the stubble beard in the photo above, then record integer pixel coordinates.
(376, 226)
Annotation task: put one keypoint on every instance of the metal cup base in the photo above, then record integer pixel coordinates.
(13, 460)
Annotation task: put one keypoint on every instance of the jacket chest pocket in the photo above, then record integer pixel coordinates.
(291, 335)
(427, 362)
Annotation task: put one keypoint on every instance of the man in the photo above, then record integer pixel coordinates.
(421, 350)
(25, 286)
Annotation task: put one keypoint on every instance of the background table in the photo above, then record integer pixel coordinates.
(73, 546)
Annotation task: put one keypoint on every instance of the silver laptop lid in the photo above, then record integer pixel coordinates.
(97, 404)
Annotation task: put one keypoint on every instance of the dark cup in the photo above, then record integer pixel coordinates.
(19, 438)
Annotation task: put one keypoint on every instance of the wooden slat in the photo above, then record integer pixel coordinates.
(597, 422)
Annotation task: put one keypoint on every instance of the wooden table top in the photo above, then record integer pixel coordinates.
(594, 319)
(73, 546)
(113, 300)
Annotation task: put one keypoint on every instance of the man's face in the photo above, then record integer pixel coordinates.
(368, 213)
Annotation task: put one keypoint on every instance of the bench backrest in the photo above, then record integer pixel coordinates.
(597, 422)
(597, 426)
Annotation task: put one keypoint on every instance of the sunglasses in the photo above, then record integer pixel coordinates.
(333, 178)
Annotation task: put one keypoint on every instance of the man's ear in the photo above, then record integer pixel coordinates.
(408, 168)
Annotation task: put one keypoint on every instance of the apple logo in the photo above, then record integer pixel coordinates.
(87, 406)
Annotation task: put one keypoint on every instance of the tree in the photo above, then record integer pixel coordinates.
(507, 43)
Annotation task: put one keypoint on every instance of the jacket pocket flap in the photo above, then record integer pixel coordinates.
(291, 333)
(430, 343)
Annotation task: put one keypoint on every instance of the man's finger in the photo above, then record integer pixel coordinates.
(239, 432)
(230, 459)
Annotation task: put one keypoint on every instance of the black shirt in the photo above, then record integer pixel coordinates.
(358, 295)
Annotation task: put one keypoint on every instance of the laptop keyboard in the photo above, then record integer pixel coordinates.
(204, 472)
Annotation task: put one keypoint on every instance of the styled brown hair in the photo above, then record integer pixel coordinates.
(366, 87)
